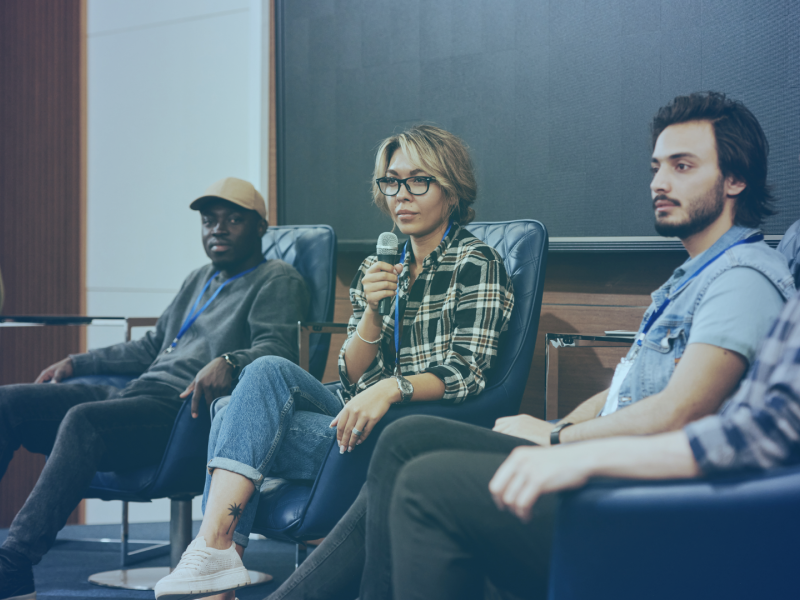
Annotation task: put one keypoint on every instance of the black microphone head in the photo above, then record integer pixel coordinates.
(387, 244)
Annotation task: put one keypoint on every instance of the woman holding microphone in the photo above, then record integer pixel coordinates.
(452, 299)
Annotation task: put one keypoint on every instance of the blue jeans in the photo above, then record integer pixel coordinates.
(276, 424)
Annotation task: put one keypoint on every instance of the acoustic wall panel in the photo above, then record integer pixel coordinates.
(555, 99)
(40, 200)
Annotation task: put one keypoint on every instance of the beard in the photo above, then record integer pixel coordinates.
(702, 212)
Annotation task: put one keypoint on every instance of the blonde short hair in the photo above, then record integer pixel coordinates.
(442, 155)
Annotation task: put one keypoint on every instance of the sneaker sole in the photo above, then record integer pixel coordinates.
(207, 586)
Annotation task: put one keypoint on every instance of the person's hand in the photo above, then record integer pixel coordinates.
(379, 282)
(529, 472)
(363, 412)
(526, 427)
(56, 372)
(211, 382)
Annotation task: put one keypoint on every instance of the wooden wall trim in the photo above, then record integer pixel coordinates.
(272, 193)
(83, 161)
(41, 216)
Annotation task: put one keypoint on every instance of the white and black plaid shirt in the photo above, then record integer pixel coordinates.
(759, 426)
(452, 318)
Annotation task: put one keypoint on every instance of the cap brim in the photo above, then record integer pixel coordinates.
(203, 200)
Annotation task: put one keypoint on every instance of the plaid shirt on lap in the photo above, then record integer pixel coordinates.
(759, 426)
(452, 319)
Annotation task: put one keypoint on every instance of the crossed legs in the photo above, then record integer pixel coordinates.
(425, 469)
(275, 424)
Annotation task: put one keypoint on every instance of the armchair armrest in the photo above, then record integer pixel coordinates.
(732, 536)
(131, 322)
(304, 331)
(61, 320)
(44, 320)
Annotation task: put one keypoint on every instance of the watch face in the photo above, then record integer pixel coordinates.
(406, 389)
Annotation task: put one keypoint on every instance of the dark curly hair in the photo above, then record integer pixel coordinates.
(742, 147)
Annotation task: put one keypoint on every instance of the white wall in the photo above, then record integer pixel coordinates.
(176, 100)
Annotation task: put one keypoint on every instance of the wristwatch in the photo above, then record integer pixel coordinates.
(406, 389)
(231, 360)
(555, 435)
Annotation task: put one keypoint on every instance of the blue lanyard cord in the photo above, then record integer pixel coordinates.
(656, 314)
(397, 307)
(192, 316)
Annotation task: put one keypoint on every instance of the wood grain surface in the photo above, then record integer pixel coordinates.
(41, 216)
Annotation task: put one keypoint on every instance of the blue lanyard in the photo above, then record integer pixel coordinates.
(192, 316)
(654, 317)
(397, 308)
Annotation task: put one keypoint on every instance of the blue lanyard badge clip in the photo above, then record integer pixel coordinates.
(660, 311)
(397, 309)
(192, 316)
(625, 364)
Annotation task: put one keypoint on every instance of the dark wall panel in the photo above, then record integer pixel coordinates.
(554, 98)
(40, 197)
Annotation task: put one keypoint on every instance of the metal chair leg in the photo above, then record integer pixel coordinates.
(127, 558)
(180, 529)
(131, 558)
(300, 553)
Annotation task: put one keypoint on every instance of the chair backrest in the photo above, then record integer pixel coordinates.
(311, 249)
(523, 246)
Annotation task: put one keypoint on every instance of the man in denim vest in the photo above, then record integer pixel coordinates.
(701, 332)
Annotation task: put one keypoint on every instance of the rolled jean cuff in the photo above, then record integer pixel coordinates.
(234, 466)
(241, 539)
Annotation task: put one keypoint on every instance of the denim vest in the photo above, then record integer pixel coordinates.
(666, 340)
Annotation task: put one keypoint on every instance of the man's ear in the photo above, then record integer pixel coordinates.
(263, 225)
(733, 186)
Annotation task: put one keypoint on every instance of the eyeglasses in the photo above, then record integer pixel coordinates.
(416, 186)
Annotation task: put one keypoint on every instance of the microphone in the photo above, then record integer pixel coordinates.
(387, 252)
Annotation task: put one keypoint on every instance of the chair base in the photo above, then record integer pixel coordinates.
(146, 579)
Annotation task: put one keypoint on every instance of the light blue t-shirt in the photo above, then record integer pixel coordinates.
(707, 305)
(743, 296)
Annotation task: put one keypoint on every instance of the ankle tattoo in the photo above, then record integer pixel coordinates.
(234, 511)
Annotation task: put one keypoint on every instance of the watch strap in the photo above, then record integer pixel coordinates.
(555, 435)
(405, 397)
(232, 362)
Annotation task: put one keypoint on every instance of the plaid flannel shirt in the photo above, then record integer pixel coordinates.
(452, 318)
(759, 426)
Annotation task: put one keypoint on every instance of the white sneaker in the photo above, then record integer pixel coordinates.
(203, 571)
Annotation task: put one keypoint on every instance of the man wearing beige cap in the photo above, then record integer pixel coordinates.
(226, 314)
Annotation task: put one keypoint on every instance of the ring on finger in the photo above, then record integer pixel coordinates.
(357, 432)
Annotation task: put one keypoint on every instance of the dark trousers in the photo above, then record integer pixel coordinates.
(424, 524)
(84, 429)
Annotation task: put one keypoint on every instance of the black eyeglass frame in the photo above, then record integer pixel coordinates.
(428, 180)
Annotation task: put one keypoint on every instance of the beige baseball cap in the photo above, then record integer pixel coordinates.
(234, 190)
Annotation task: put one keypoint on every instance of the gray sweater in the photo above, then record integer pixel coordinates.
(255, 315)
